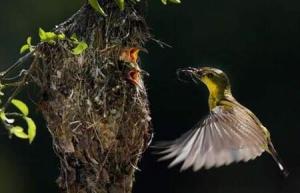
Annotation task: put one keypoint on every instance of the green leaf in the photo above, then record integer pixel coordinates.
(79, 48)
(95, 5)
(49, 37)
(42, 34)
(24, 48)
(31, 129)
(29, 41)
(61, 36)
(21, 106)
(164, 2)
(121, 4)
(4, 118)
(175, 1)
(1, 94)
(27, 46)
(18, 132)
(172, 1)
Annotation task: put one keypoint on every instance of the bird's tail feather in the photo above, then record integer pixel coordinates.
(278, 160)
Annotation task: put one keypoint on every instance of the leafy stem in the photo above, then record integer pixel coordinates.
(77, 47)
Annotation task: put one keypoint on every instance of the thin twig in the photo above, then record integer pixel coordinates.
(15, 77)
(14, 114)
(15, 65)
(19, 87)
(13, 84)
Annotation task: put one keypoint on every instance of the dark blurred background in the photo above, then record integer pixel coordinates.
(256, 42)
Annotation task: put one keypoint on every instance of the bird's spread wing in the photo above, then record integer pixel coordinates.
(226, 135)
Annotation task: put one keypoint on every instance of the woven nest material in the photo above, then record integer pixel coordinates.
(99, 120)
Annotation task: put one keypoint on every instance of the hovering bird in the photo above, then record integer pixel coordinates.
(229, 133)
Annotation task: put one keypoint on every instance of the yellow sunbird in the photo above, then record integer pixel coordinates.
(229, 133)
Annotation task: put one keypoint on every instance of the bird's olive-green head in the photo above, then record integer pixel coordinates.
(215, 79)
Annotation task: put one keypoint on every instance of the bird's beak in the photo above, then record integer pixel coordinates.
(194, 73)
(187, 71)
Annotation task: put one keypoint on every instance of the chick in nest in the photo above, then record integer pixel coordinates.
(130, 55)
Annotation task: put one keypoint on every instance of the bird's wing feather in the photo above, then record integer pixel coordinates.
(226, 135)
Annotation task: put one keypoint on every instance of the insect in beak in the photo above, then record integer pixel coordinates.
(190, 72)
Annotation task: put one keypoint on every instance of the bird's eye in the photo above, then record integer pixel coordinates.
(209, 75)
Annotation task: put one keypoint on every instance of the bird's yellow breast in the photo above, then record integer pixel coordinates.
(214, 91)
(212, 86)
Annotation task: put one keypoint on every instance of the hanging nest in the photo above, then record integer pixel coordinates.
(98, 118)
